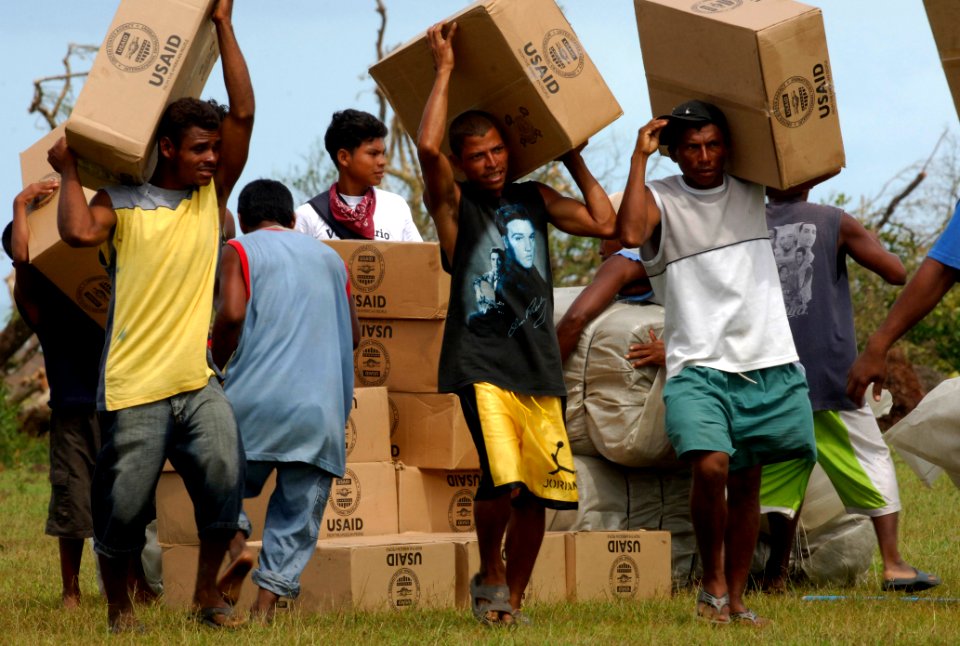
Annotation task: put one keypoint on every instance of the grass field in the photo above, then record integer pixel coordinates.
(930, 527)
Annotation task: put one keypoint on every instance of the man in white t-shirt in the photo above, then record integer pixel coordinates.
(353, 208)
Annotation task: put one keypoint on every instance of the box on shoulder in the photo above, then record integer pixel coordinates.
(436, 500)
(944, 17)
(77, 272)
(428, 431)
(518, 60)
(765, 65)
(400, 354)
(618, 565)
(153, 54)
(367, 433)
(395, 279)
(377, 573)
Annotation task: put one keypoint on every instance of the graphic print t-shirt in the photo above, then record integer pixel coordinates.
(816, 291)
(499, 325)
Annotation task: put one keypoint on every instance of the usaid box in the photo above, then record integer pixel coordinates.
(401, 354)
(618, 565)
(520, 61)
(765, 64)
(436, 501)
(395, 279)
(428, 430)
(77, 272)
(180, 575)
(378, 573)
(944, 17)
(368, 428)
(154, 53)
(363, 502)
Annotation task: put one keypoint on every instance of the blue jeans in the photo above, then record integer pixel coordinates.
(197, 432)
(292, 525)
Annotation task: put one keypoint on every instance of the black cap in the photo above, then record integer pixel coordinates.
(692, 113)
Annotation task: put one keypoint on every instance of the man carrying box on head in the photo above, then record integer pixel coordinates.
(291, 389)
(500, 352)
(735, 399)
(161, 397)
(354, 208)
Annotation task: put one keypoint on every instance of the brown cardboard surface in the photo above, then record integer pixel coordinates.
(153, 54)
(944, 17)
(368, 427)
(362, 503)
(520, 61)
(618, 565)
(765, 64)
(395, 279)
(379, 573)
(75, 271)
(180, 575)
(428, 431)
(401, 354)
(436, 501)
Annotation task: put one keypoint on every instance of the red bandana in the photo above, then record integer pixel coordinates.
(358, 218)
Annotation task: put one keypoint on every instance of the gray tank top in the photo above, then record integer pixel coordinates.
(816, 292)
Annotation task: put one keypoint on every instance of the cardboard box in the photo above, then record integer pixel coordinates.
(378, 573)
(395, 280)
(153, 54)
(180, 575)
(428, 431)
(77, 272)
(436, 501)
(520, 61)
(368, 427)
(401, 354)
(548, 581)
(618, 565)
(944, 17)
(765, 64)
(362, 503)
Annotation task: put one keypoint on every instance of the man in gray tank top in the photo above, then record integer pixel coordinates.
(850, 447)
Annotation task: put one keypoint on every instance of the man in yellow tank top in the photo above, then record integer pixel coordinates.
(158, 393)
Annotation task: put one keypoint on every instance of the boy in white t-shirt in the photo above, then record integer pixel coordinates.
(353, 208)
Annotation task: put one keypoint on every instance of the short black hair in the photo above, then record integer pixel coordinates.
(8, 240)
(509, 213)
(472, 123)
(187, 112)
(265, 200)
(348, 129)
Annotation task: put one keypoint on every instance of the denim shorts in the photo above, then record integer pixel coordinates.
(197, 432)
(756, 417)
(74, 443)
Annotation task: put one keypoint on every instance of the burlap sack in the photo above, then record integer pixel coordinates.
(931, 432)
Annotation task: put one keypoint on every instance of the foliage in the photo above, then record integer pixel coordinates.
(908, 213)
(17, 448)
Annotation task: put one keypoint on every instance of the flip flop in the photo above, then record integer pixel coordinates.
(712, 609)
(919, 581)
(232, 579)
(749, 618)
(219, 618)
(485, 598)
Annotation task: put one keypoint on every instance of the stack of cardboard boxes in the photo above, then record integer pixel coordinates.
(393, 533)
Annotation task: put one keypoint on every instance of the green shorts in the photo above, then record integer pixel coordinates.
(756, 417)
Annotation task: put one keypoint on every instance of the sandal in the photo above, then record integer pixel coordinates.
(486, 599)
(749, 617)
(710, 607)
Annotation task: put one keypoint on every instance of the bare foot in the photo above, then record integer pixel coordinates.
(71, 600)
(265, 607)
(231, 580)
(124, 621)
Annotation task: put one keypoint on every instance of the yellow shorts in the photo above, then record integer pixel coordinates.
(522, 442)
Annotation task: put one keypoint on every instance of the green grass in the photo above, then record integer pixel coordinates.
(29, 590)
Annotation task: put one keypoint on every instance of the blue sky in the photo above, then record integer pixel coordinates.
(309, 58)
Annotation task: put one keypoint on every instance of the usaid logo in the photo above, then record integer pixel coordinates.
(715, 6)
(132, 47)
(792, 103)
(366, 268)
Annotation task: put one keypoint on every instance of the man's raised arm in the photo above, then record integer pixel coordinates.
(639, 215)
(441, 193)
(237, 126)
(594, 216)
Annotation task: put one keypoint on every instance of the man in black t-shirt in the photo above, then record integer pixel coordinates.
(503, 361)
